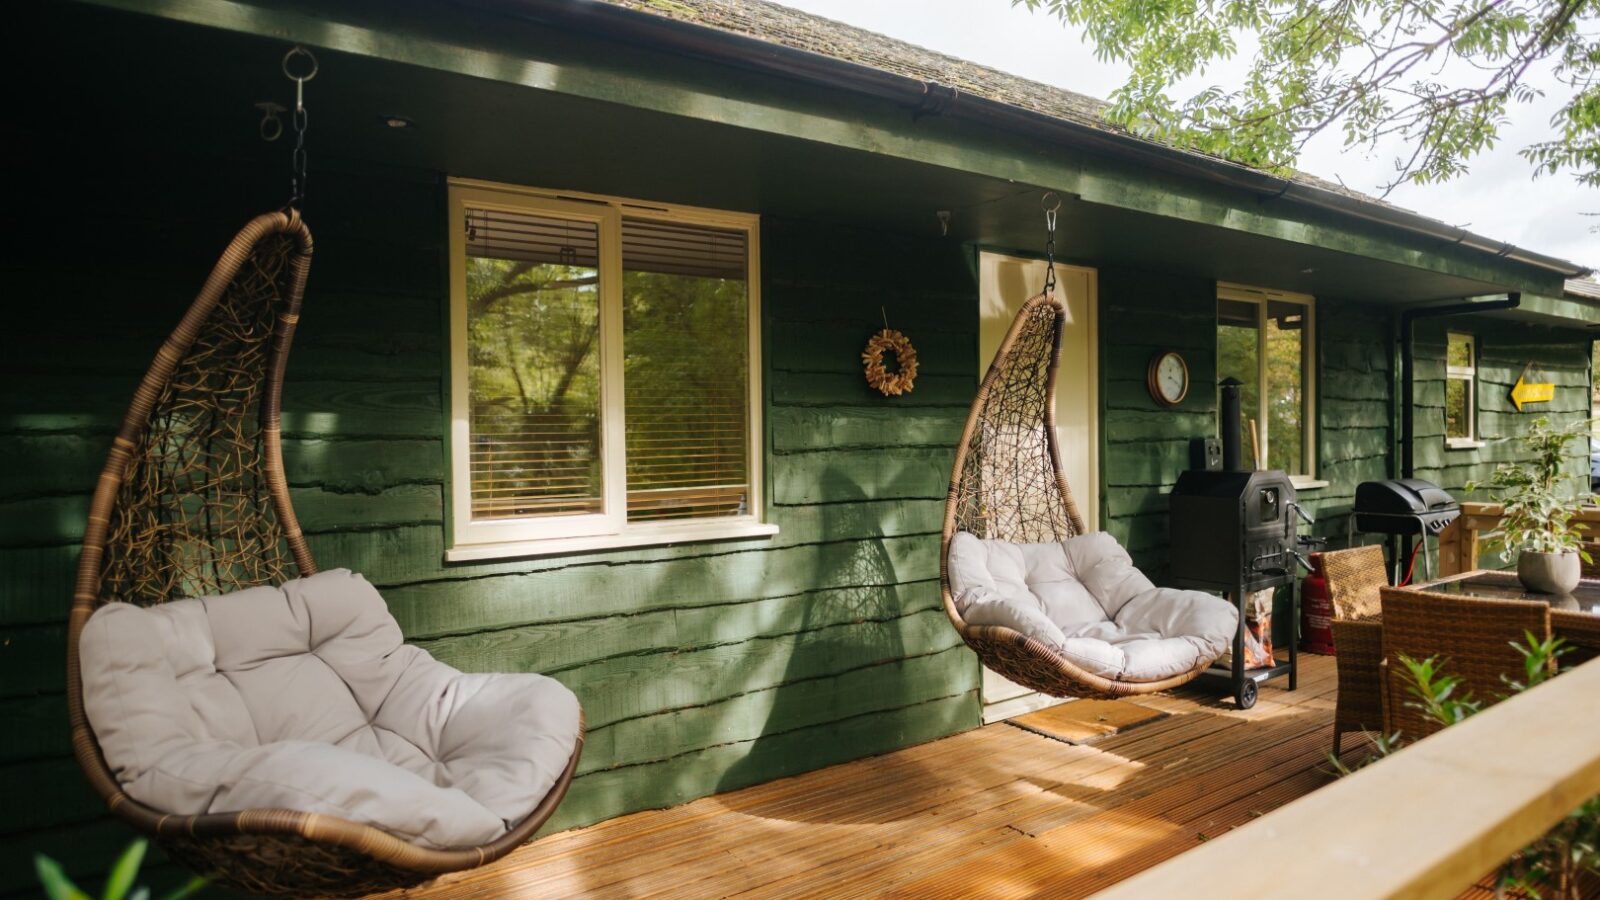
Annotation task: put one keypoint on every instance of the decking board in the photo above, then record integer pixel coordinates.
(994, 812)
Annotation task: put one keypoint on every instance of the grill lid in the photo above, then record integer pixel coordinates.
(1403, 496)
(1403, 506)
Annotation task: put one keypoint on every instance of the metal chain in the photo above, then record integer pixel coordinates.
(299, 120)
(1050, 240)
(297, 165)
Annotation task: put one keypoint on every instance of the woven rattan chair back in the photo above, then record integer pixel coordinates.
(1008, 484)
(193, 501)
(1467, 637)
(1355, 579)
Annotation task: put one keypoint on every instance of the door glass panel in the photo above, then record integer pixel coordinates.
(1238, 356)
(1286, 399)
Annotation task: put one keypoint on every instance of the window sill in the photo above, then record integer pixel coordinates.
(1302, 483)
(659, 536)
(1463, 444)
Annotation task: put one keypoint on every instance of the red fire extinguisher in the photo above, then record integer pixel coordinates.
(1316, 611)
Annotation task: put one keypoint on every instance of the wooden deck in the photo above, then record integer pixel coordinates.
(996, 812)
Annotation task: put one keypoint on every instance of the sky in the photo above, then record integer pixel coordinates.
(1499, 198)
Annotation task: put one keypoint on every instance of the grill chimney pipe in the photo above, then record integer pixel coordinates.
(1231, 426)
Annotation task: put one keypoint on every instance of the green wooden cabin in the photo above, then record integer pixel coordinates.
(786, 616)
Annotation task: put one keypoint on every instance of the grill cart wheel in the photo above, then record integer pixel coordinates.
(1247, 694)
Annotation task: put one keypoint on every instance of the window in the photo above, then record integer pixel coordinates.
(1266, 339)
(1461, 390)
(603, 373)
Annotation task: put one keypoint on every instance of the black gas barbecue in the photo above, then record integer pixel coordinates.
(1236, 532)
(1402, 507)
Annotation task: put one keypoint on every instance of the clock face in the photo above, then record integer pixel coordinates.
(1169, 378)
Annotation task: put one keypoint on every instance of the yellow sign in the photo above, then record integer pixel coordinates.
(1523, 392)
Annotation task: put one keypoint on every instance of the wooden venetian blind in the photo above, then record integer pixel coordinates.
(533, 319)
(686, 357)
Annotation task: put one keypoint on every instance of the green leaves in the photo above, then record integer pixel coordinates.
(1537, 657)
(55, 882)
(1440, 76)
(119, 884)
(1555, 863)
(1437, 693)
(1538, 508)
(125, 871)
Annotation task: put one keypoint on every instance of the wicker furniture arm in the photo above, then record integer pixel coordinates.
(1008, 484)
(1581, 631)
(1358, 645)
(193, 501)
(1468, 637)
(1355, 578)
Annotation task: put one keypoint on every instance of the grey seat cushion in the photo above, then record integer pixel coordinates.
(306, 697)
(1084, 599)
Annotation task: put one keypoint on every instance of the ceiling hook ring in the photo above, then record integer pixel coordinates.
(298, 51)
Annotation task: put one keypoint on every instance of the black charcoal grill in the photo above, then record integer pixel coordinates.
(1233, 530)
(1403, 507)
(1237, 532)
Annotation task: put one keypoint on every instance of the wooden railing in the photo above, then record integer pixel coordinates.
(1426, 822)
(1461, 541)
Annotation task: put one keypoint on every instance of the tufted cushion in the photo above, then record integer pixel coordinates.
(305, 697)
(1084, 599)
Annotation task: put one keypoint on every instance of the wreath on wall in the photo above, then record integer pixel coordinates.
(896, 382)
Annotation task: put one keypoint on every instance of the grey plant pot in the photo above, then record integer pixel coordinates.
(1549, 573)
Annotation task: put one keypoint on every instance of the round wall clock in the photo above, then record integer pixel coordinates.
(1168, 378)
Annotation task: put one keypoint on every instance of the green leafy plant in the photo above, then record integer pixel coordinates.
(1556, 864)
(119, 884)
(1538, 511)
(1436, 81)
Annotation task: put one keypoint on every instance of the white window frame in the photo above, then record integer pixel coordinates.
(1469, 374)
(544, 535)
(1260, 297)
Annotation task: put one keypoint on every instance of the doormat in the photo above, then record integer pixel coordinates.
(1082, 720)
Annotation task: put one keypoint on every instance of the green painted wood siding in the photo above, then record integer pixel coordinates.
(1355, 425)
(1558, 355)
(1146, 446)
(702, 667)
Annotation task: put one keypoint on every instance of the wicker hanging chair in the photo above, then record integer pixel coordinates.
(1007, 484)
(193, 501)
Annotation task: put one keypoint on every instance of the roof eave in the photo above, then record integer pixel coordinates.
(931, 98)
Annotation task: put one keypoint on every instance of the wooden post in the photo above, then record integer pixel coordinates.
(1450, 550)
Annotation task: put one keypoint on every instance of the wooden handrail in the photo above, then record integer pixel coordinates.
(1426, 822)
(1459, 541)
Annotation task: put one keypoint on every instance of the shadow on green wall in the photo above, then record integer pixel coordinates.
(875, 602)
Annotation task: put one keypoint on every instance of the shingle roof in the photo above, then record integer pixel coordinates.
(1587, 287)
(788, 27)
(796, 30)
(805, 31)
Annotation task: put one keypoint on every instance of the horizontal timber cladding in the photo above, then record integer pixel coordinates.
(1355, 380)
(702, 667)
(1146, 446)
(1504, 348)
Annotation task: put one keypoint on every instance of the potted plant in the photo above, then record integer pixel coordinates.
(1538, 527)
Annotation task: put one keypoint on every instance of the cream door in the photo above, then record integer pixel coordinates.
(1004, 284)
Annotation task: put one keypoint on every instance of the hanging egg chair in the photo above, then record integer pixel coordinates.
(1009, 494)
(193, 502)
